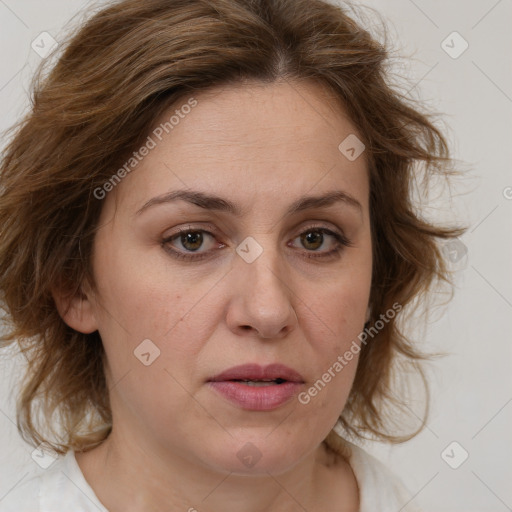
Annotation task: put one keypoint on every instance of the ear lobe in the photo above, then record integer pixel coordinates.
(76, 309)
(368, 314)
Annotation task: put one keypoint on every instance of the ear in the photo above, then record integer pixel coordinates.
(76, 308)
(368, 314)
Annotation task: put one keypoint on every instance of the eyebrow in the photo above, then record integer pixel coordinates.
(216, 203)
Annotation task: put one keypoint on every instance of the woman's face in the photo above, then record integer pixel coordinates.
(242, 269)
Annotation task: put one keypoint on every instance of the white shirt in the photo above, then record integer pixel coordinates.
(63, 488)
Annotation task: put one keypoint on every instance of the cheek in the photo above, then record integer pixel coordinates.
(152, 345)
(142, 294)
(337, 312)
(334, 318)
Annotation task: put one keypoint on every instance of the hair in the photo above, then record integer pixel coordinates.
(113, 78)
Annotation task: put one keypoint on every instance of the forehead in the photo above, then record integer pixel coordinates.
(277, 118)
(248, 139)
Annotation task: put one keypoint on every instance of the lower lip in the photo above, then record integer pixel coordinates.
(256, 398)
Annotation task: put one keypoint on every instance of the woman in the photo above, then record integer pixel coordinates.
(207, 241)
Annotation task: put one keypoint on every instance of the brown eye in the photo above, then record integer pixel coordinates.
(312, 240)
(192, 241)
(316, 237)
(191, 244)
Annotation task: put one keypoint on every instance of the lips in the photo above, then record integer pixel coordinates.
(253, 372)
(256, 388)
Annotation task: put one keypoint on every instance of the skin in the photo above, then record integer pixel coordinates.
(175, 441)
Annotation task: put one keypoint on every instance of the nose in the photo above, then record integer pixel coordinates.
(262, 298)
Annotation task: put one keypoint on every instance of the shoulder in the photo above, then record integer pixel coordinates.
(24, 497)
(60, 487)
(379, 488)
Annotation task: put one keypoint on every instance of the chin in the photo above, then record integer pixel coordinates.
(254, 454)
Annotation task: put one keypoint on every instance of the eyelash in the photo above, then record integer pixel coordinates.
(342, 243)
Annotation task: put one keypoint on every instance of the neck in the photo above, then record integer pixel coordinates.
(147, 480)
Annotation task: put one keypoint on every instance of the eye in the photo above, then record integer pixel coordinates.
(191, 241)
(187, 243)
(316, 237)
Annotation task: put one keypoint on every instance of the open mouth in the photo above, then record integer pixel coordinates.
(257, 388)
(260, 382)
(271, 374)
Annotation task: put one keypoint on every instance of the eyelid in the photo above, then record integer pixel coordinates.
(212, 230)
(325, 225)
(190, 229)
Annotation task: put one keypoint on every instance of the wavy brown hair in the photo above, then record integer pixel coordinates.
(113, 78)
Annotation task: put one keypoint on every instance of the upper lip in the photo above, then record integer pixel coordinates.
(257, 372)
